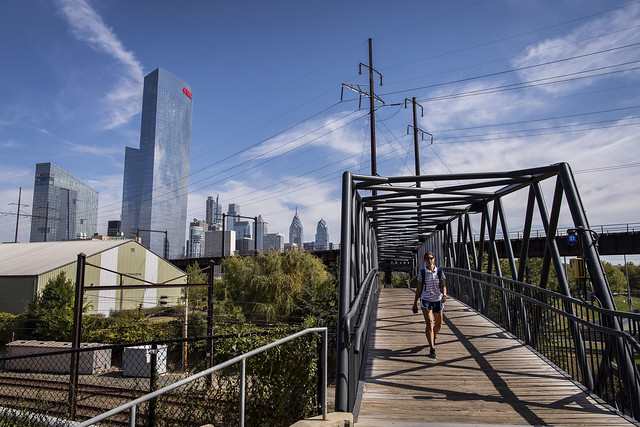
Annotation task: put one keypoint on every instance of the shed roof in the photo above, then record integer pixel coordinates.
(33, 259)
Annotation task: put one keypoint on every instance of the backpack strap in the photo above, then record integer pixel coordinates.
(439, 273)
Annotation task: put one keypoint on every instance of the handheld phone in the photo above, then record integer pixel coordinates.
(415, 310)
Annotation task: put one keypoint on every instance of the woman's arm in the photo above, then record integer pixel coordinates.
(443, 289)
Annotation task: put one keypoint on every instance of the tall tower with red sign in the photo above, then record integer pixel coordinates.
(156, 175)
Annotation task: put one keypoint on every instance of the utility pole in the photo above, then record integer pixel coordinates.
(374, 169)
(18, 214)
(372, 98)
(416, 131)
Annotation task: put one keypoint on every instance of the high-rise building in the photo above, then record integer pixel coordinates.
(209, 215)
(273, 242)
(261, 230)
(214, 211)
(213, 243)
(63, 207)
(296, 234)
(197, 231)
(322, 236)
(232, 216)
(154, 194)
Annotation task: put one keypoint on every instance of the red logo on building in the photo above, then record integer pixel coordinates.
(186, 92)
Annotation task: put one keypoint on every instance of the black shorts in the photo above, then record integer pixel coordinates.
(435, 306)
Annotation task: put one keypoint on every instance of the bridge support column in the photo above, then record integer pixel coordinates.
(628, 372)
(342, 369)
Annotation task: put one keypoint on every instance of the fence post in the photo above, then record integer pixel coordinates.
(153, 383)
(76, 334)
(209, 351)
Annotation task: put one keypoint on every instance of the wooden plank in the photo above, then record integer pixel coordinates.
(481, 375)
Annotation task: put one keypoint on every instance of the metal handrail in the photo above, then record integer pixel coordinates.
(357, 308)
(622, 334)
(242, 358)
(607, 340)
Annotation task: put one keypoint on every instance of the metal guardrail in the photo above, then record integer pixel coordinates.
(362, 307)
(597, 347)
(131, 406)
(631, 227)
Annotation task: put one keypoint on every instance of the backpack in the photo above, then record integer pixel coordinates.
(423, 273)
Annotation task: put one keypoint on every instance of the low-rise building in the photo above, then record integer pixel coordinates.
(25, 269)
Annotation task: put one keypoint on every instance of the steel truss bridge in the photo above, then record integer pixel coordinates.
(389, 223)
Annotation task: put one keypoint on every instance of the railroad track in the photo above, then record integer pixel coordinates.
(51, 397)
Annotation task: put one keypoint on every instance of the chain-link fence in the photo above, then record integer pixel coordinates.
(282, 383)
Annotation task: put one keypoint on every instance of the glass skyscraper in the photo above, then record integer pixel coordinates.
(322, 236)
(156, 175)
(296, 233)
(63, 207)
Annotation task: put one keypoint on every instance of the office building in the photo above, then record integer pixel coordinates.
(233, 214)
(273, 242)
(322, 236)
(196, 244)
(296, 233)
(63, 208)
(261, 230)
(213, 243)
(155, 188)
(214, 211)
(245, 246)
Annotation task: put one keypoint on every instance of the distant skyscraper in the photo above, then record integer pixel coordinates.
(63, 207)
(209, 216)
(232, 216)
(261, 230)
(273, 242)
(214, 211)
(296, 234)
(154, 195)
(197, 231)
(322, 236)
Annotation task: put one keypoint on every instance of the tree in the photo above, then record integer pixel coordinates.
(277, 287)
(197, 296)
(617, 280)
(50, 316)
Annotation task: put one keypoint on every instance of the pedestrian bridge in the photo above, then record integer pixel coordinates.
(483, 375)
(523, 342)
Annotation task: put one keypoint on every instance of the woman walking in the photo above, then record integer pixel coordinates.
(432, 292)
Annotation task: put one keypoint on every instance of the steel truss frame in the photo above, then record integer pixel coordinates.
(388, 223)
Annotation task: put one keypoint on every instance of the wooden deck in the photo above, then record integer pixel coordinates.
(481, 376)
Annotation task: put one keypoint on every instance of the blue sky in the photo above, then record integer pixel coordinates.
(504, 84)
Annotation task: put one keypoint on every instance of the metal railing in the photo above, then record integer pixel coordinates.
(361, 310)
(36, 385)
(595, 346)
(132, 406)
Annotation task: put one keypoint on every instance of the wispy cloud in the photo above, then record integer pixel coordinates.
(86, 25)
(92, 149)
(608, 35)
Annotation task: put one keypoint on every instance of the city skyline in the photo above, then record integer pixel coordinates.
(501, 85)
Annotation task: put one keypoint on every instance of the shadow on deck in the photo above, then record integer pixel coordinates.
(482, 375)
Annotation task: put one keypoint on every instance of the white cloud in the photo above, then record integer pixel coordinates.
(122, 103)
(334, 132)
(596, 35)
